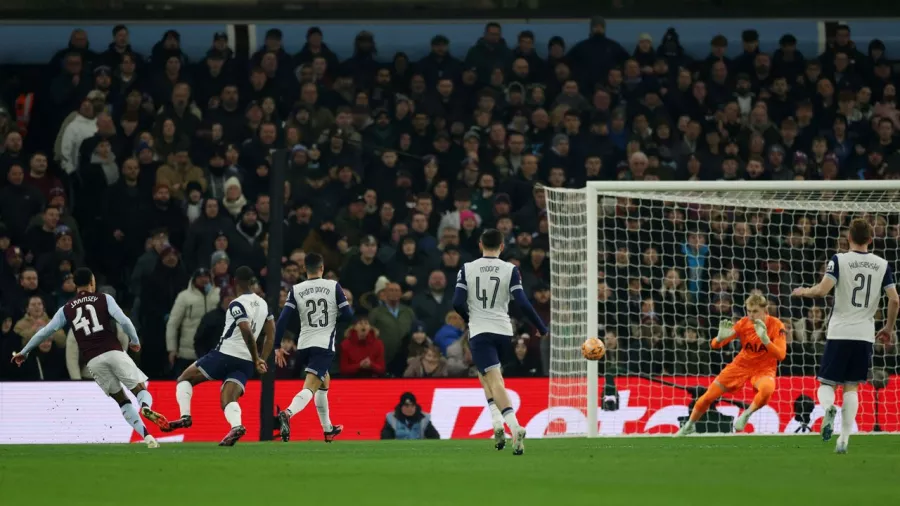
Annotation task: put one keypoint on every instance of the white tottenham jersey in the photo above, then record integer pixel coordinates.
(860, 279)
(319, 302)
(489, 283)
(250, 308)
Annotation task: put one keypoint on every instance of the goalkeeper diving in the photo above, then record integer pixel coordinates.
(763, 345)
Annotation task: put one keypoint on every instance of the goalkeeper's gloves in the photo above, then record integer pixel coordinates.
(760, 327)
(726, 330)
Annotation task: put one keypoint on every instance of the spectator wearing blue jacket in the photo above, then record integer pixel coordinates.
(696, 254)
(453, 329)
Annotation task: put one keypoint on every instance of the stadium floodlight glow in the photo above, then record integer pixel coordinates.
(768, 235)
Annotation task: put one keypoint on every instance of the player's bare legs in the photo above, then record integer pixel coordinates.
(496, 417)
(184, 390)
(145, 401)
(131, 416)
(231, 392)
(849, 407)
(712, 394)
(493, 382)
(764, 388)
(311, 385)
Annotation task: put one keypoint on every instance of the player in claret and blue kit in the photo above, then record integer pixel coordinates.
(93, 317)
(319, 303)
(233, 360)
(484, 288)
(858, 278)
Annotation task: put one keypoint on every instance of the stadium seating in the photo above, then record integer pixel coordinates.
(151, 167)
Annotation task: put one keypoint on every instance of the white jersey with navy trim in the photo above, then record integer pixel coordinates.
(250, 308)
(318, 301)
(489, 283)
(859, 280)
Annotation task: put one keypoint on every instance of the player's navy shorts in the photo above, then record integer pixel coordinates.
(216, 365)
(315, 360)
(487, 348)
(845, 361)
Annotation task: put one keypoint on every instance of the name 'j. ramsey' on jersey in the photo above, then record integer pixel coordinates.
(319, 302)
(860, 279)
(250, 308)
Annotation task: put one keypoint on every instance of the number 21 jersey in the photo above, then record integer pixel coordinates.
(489, 283)
(318, 301)
(860, 278)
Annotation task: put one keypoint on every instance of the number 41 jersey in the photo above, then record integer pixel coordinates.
(318, 301)
(489, 283)
(860, 278)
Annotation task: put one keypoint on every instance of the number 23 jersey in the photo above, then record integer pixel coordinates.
(318, 301)
(860, 278)
(489, 283)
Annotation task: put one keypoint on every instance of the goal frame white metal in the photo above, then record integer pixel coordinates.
(594, 188)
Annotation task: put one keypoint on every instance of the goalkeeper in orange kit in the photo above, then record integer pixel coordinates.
(762, 346)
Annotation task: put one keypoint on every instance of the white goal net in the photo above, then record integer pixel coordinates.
(652, 268)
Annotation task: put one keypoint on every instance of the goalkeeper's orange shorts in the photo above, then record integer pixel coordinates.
(734, 376)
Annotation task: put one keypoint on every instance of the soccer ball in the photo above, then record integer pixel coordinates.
(593, 349)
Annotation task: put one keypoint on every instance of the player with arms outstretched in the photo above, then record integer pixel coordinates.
(858, 278)
(763, 345)
(233, 360)
(93, 317)
(484, 288)
(320, 304)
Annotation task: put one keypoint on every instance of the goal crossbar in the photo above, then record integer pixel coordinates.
(718, 193)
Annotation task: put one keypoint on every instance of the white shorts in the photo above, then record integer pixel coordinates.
(113, 369)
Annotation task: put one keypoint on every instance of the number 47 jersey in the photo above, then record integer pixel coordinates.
(489, 283)
(319, 302)
(860, 278)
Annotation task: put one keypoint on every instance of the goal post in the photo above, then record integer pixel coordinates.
(652, 267)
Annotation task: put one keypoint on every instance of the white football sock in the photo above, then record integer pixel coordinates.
(496, 417)
(511, 421)
(826, 396)
(131, 416)
(183, 393)
(300, 401)
(321, 400)
(144, 399)
(848, 414)
(233, 414)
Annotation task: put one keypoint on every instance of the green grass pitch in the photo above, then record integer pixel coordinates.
(754, 471)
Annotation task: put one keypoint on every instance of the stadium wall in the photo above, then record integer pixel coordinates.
(78, 412)
(412, 37)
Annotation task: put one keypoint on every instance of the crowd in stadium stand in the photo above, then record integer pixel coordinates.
(154, 171)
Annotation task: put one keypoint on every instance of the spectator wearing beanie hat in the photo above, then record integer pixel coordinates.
(234, 200)
(193, 201)
(219, 265)
(244, 237)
